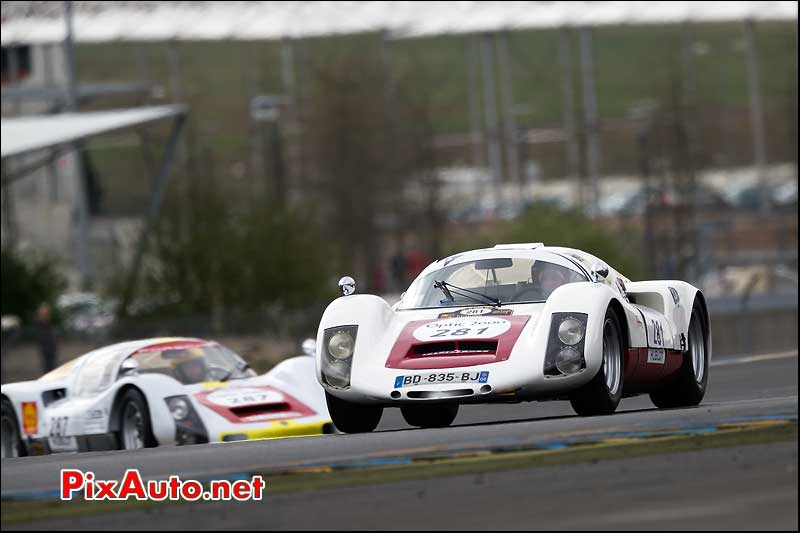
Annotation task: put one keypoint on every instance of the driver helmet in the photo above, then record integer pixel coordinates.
(547, 276)
(190, 365)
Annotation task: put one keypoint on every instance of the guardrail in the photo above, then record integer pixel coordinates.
(754, 323)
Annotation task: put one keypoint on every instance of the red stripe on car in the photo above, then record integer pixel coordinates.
(281, 407)
(408, 353)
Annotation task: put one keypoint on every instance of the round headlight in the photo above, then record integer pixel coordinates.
(570, 331)
(179, 408)
(341, 345)
(568, 361)
(337, 374)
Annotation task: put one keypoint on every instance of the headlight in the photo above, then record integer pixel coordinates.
(337, 356)
(338, 374)
(341, 345)
(568, 360)
(570, 331)
(565, 344)
(178, 407)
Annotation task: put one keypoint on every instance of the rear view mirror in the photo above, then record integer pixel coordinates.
(347, 285)
(129, 367)
(492, 264)
(310, 347)
(599, 272)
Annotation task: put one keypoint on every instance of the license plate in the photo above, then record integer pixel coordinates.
(435, 378)
(63, 444)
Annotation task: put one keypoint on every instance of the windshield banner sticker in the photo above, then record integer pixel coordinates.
(467, 328)
(477, 311)
(237, 397)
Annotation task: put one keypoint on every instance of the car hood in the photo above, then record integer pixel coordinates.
(459, 336)
(247, 401)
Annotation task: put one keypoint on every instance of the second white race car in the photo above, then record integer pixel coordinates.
(160, 391)
(508, 324)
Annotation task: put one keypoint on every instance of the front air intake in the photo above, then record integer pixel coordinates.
(433, 349)
(251, 410)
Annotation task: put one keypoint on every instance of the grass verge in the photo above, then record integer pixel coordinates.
(21, 511)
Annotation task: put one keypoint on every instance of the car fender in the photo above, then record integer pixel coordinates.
(154, 388)
(372, 315)
(672, 298)
(30, 392)
(590, 298)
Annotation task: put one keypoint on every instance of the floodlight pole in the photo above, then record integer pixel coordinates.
(292, 124)
(82, 194)
(568, 111)
(49, 81)
(472, 48)
(160, 182)
(490, 111)
(591, 123)
(512, 137)
(9, 216)
(756, 113)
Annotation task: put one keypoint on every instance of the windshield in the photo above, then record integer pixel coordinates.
(509, 280)
(193, 363)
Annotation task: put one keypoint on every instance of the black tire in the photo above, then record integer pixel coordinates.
(351, 417)
(686, 390)
(596, 397)
(430, 416)
(15, 448)
(132, 400)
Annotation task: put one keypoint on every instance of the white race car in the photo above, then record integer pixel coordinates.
(512, 323)
(160, 391)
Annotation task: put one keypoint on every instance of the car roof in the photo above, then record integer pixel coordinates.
(536, 251)
(124, 349)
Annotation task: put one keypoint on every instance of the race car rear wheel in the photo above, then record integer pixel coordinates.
(135, 429)
(689, 387)
(430, 416)
(602, 394)
(350, 417)
(12, 445)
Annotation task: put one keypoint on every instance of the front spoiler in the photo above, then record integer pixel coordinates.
(503, 389)
(284, 428)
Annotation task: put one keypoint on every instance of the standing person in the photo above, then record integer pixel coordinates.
(398, 271)
(46, 337)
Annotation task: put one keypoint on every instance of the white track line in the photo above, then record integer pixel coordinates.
(753, 358)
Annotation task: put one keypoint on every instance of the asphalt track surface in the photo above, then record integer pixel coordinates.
(740, 487)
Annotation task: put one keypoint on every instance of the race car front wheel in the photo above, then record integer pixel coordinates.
(9, 432)
(602, 394)
(135, 430)
(689, 387)
(430, 416)
(350, 417)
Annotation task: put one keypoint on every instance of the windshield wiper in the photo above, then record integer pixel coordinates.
(446, 287)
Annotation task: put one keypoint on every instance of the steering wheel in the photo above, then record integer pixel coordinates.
(535, 292)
